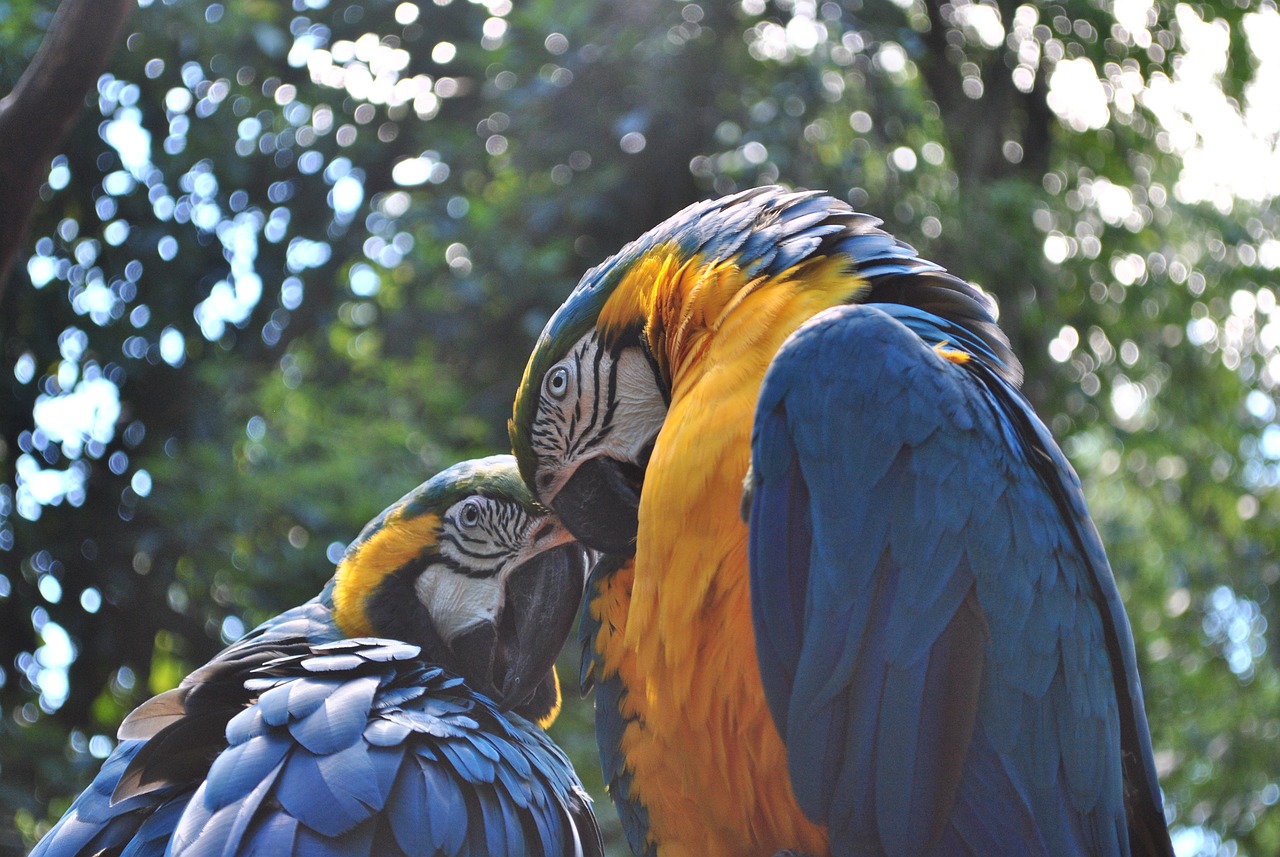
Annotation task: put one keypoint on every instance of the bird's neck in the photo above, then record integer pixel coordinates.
(718, 333)
(369, 564)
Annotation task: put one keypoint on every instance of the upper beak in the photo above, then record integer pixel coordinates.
(600, 504)
(542, 601)
(509, 660)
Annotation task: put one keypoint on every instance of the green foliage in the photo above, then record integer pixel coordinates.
(318, 281)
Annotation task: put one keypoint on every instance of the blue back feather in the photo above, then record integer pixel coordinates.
(332, 746)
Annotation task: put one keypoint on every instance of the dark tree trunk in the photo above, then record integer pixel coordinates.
(979, 127)
(40, 111)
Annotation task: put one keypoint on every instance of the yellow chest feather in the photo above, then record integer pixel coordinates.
(706, 759)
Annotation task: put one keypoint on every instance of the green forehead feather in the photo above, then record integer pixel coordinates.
(496, 476)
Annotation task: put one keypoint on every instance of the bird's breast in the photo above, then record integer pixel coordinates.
(705, 757)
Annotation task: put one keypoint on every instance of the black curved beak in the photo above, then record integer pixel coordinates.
(512, 661)
(600, 504)
(542, 601)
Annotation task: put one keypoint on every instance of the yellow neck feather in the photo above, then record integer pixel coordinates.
(392, 546)
(681, 302)
(706, 759)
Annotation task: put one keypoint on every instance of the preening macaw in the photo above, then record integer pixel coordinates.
(384, 717)
(914, 644)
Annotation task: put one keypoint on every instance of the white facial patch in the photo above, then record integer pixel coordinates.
(641, 410)
(593, 404)
(484, 536)
(456, 602)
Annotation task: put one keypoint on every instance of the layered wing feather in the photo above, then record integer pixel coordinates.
(358, 747)
(940, 637)
(94, 825)
(328, 746)
(167, 744)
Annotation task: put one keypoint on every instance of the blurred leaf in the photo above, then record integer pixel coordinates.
(305, 251)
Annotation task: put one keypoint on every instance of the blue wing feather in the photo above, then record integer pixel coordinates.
(241, 767)
(332, 746)
(340, 718)
(276, 834)
(779, 599)
(311, 793)
(940, 639)
(411, 825)
(153, 836)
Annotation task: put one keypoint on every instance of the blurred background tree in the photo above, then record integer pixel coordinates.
(291, 258)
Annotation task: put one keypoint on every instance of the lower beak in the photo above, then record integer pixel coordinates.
(600, 505)
(512, 659)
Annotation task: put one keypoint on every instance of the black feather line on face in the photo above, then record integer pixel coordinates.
(498, 534)
(580, 427)
(609, 397)
(637, 337)
(460, 542)
(661, 381)
(580, 439)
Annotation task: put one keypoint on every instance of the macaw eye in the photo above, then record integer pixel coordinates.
(558, 382)
(470, 514)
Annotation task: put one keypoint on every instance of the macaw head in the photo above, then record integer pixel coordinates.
(469, 567)
(598, 384)
(595, 393)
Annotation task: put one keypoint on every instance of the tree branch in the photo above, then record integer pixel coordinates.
(37, 115)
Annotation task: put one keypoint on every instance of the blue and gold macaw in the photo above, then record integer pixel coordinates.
(914, 644)
(386, 716)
